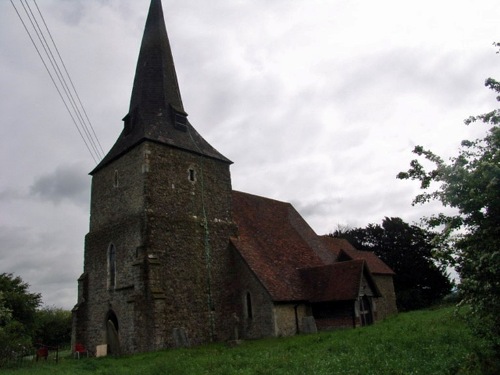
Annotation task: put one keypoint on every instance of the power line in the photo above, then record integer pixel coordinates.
(60, 77)
(67, 94)
(70, 80)
(53, 81)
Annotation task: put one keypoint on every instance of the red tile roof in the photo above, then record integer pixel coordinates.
(339, 246)
(274, 247)
(291, 261)
(334, 282)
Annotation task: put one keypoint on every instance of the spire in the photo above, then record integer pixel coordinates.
(155, 84)
(156, 112)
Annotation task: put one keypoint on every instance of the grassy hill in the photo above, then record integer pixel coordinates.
(422, 342)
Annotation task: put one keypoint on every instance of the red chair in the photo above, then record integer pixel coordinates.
(42, 352)
(80, 350)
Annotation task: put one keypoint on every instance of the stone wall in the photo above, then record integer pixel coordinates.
(259, 322)
(288, 318)
(168, 214)
(386, 305)
(188, 200)
(117, 190)
(116, 218)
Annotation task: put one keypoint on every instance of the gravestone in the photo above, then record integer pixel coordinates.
(309, 325)
(180, 338)
(236, 327)
(236, 331)
(101, 350)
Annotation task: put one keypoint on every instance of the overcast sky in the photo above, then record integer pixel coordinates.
(317, 102)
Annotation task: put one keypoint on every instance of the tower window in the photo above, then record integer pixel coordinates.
(180, 118)
(111, 266)
(192, 175)
(180, 122)
(115, 179)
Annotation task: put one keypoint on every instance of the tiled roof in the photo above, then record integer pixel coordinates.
(291, 261)
(333, 282)
(340, 246)
(272, 247)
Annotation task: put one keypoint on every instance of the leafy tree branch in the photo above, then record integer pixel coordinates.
(470, 183)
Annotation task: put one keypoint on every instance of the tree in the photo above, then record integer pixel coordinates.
(470, 183)
(407, 249)
(53, 326)
(17, 316)
(5, 313)
(19, 301)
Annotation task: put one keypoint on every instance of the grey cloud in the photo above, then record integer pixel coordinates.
(322, 207)
(44, 259)
(12, 239)
(381, 78)
(68, 182)
(10, 194)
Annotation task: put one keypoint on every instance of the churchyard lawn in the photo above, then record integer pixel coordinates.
(434, 341)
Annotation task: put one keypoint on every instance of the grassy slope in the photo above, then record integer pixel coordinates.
(422, 342)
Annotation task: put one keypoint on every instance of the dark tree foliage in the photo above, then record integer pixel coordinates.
(23, 323)
(407, 249)
(470, 183)
(21, 303)
(53, 326)
(17, 316)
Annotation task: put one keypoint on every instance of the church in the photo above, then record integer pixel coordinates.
(174, 257)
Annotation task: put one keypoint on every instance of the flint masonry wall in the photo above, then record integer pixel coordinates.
(386, 305)
(116, 215)
(259, 322)
(168, 214)
(116, 218)
(188, 226)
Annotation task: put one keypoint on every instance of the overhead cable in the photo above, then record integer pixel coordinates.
(67, 94)
(71, 81)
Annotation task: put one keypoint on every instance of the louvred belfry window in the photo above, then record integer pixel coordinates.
(180, 119)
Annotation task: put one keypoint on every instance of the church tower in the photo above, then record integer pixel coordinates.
(157, 259)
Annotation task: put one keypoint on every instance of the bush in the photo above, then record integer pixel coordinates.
(14, 343)
(53, 326)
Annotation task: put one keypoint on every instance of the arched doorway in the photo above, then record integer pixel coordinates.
(112, 337)
(365, 311)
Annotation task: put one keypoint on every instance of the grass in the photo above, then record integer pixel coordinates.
(422, 342)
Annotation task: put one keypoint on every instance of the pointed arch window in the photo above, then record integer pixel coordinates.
(248, 302)
(111, 266)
